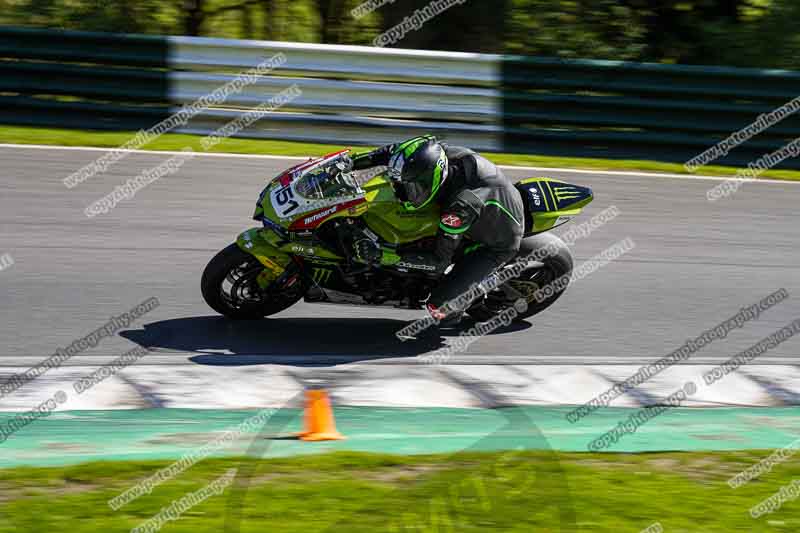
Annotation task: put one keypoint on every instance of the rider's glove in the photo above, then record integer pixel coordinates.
(368, 251)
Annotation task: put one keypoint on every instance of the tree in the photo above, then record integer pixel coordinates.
(194, 16)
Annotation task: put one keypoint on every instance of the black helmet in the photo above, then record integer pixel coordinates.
(420, 166)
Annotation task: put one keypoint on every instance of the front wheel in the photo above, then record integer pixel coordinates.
(230, 287)
(541, 284)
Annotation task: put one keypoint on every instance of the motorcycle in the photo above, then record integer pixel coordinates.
(312, 213)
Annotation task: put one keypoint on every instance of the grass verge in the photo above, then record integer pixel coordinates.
(358, 492)
(174, 142)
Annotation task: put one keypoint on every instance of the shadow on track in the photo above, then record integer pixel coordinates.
(295, 341)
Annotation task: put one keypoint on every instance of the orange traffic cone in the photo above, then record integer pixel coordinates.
(319, 423)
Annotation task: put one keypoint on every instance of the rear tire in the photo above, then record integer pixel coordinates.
(230, 287)
(551, 266)
(556, 265)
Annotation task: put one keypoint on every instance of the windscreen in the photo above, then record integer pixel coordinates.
(327, 182)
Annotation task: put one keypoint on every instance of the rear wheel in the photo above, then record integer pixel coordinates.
(230, 287)
(540, 285)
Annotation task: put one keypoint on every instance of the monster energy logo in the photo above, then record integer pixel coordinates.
(566, 193)
(322, 275)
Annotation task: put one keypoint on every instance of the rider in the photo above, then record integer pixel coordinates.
(476, 200)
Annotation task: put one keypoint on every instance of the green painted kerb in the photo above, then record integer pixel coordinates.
(80, 436)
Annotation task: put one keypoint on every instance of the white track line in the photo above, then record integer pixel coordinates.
(156, 152)
(296, 158)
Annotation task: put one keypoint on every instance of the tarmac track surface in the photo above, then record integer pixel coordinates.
(695, 264)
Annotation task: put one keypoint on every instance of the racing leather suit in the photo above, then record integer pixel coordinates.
(478, 202)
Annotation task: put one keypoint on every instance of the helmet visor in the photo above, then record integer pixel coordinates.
(417, 193)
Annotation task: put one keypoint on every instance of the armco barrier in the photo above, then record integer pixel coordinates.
(365, 95)
(82, 80)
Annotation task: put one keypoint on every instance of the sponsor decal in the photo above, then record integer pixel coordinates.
(298, 249)
(322, 275)
(534, 192)
(564, 194)
(319, 216)
(313, 220)
(402, 213)
(283, 201)
(452, 221)
(406, 264)
(371, 234)
(356, 211)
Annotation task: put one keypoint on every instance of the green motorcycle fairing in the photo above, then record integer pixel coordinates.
(387, 217)
(266, 247)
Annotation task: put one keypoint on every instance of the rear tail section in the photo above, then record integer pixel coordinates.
(550, 203)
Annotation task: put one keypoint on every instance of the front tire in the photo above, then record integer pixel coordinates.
(230, 287)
